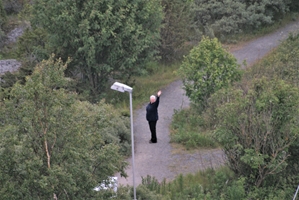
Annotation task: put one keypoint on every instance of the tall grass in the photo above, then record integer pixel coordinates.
(209, 184)
(188, 129)
(222, 184)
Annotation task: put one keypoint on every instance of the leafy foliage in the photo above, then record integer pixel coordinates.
(52, 145)
(31, 46)
(176, 29)
(106, 39)
(259, 123)
(30, 50)
(206, 69)
(221, 18)
(209, 184)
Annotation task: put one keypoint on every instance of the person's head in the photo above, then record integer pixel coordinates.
(152, 98)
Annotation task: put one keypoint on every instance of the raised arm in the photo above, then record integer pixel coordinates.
(158, 98)
(159, 93)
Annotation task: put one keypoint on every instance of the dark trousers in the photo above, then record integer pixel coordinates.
(152, 126)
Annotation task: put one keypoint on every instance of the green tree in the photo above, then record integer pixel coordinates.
(207, 68)
(258, 123)
(52, 145)
(176, 30)
(105, 39)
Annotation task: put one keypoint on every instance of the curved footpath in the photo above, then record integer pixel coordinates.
(160, 160)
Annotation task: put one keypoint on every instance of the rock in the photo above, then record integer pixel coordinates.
(10, 65)
(14, 34)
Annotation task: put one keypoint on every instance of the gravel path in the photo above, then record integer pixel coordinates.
(260, 47)
(161, 160)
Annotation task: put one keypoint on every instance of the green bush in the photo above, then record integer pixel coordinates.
(271, 193)
(176, 29)
(283, 64)
(258, 126)
(208, 68)
(222, 18)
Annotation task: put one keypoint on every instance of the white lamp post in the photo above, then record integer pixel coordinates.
(124, 88)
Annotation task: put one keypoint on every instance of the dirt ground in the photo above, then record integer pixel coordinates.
(161, 160)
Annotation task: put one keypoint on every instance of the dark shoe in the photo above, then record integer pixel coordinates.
(150, 141)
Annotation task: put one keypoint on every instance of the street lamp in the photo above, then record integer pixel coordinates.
(124, 88)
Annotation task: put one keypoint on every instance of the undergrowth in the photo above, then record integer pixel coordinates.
(188, 129)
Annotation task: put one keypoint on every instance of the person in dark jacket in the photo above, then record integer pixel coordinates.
(152, 115)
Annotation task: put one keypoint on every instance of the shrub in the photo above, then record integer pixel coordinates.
(207, 68)
(221, 18)
(258, 126)
(176, 29)
(13, 6)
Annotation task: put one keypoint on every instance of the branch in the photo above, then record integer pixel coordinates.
(47, 153)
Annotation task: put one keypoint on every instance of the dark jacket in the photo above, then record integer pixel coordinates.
(152, 110)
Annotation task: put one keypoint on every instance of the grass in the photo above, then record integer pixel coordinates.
(193, 186)
(159, 77)
(188, 129)
(145, 86)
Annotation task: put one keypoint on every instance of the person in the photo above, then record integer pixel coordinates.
(152, 115)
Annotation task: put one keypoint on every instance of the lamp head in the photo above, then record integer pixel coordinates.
(121, 87)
